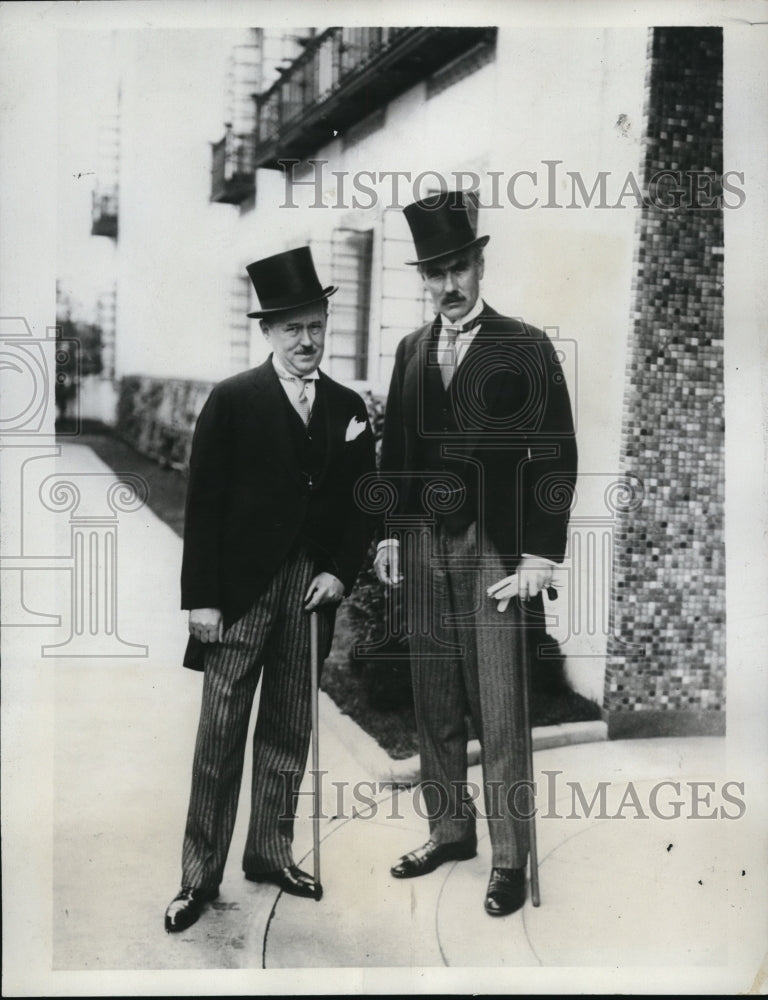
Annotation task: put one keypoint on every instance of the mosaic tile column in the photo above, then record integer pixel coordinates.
(665, 672)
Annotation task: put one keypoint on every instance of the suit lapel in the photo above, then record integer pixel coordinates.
(325, 396)
(494, 331)
(269, 403)
(337, 414)
(421, 366)
(270, 406)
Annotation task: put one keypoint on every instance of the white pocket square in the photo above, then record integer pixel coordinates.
(355, 428)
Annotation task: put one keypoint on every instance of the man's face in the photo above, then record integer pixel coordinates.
(454, 282)
(298, 337)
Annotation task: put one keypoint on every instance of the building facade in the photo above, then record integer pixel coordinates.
(234, 145)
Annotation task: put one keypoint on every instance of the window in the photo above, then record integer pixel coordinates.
(239, 324)
(350, 269)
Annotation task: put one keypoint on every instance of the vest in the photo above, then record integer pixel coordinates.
(310, 446)
(442, 430)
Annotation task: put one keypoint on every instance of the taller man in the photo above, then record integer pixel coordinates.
(272, 532)
(479, 440)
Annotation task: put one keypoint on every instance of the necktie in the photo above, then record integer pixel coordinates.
(298, 396)
(448, 359)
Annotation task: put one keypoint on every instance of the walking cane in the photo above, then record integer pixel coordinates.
(532, 848)
(314, 674)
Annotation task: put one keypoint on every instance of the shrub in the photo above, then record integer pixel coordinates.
(158, 416)
(386, 671)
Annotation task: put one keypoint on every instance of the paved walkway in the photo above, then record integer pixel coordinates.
(625, 886)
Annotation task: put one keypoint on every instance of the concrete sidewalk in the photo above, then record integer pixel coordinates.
(623, 882)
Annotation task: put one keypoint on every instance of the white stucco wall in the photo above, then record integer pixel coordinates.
(173, 278)
(571, 268)
(548, 96)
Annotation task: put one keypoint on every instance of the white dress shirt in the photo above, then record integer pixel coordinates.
(464, 338)
(292, 385)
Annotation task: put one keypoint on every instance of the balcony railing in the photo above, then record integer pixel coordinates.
(232, 167)
(104, 204)
(342, 76)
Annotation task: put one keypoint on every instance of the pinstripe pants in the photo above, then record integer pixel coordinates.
(274, 637)
(481, 679)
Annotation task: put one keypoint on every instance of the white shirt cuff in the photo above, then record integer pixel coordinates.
(529, 555)
(526, 555)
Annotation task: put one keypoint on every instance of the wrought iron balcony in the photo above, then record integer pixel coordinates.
(342, 76)
(232, 167)
(104, 212)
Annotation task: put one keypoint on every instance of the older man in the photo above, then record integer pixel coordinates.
(272, 532)
(478, 440)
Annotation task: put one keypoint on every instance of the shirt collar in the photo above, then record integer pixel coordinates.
(472, 315)
(282, 373)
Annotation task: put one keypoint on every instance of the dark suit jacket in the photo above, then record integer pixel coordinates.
(514, 432)
(247, 498)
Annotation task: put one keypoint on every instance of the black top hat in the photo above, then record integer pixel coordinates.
(440, 225)
(286, 281)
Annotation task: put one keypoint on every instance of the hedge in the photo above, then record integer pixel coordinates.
(157, 416)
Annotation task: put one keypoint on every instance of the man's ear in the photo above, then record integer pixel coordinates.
(264, 328)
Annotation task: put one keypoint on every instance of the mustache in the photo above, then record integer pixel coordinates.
(453, 297)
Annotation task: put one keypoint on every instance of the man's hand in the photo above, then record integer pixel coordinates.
(205, 624)
(533, 575)
(325, 588)
(386, 565)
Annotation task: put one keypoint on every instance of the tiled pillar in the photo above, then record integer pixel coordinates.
(666, 655)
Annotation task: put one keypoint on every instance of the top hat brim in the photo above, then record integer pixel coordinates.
(272, 311)
(479, 242)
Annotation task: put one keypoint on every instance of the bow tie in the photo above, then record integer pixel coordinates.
(453, 330)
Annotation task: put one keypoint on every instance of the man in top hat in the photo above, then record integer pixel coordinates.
(479, 442)
(272, 532)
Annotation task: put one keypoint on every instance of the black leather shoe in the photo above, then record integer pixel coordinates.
(506, 891)
(186, 906)
(291, 880)
(430, 856)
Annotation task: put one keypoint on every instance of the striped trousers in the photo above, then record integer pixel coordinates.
(468, 663)
(273, 639)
